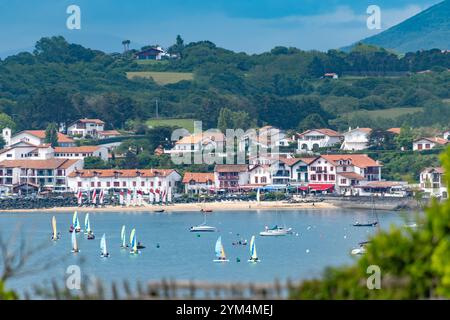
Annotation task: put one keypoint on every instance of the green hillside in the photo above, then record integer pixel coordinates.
(427, 30)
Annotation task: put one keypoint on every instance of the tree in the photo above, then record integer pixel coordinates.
(95, 163)
(405, 139)
(311, 121)
(51, 134)
(6, 122)
(415, 263)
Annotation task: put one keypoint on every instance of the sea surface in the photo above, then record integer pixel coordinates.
(321, 238)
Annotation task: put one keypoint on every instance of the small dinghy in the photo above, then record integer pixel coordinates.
(133, 242)
(253, 256)
(104, 251)
(159, 211)
(55, 234)
(75, 223)
(75, 248)
(220, 252)
(368, 224)
(88, 230)
(123, 238)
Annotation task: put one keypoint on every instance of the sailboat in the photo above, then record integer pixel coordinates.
(253, 255)
(220, 252)
(276, 230)
(203, 227)
(104, 251)
(133, 242)
(86, 223)
(88, 231)
(123, 238)
(74, 243)
(75, 223)
(55, 234)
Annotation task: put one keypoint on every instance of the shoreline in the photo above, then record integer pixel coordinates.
(188, 207)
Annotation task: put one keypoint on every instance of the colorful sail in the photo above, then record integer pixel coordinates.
(220, 252)
(86, 223)
(55, 232)
(253, 255)
(74, 242)
(103, 245)
(133, 242)
(123, 237)
(76, 222)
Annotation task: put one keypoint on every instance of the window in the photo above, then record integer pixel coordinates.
(313, 177)
(152, 183)
(332, 177)
(108, 184)
(99, 184)
(263, 180)
(92, 184)
(325, 178)
(124, 183)
(79, 184)
(159, 184)
(134, 183)
(319, 177)
(142, 183)
(256, 179)
(427, 146)
(116, 184)
(343, 181)
(331, 168)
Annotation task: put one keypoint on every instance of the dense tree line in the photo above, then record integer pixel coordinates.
(60, 82)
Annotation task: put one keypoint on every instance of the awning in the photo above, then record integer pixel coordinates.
(320, 187)
(303, 188)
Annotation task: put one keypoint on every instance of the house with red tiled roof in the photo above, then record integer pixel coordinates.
(312, 140)
(145, 180)
(429, 143)
(231, 176)
(198, 182)
(83, 128)
(432, 182)
(49, 173)
(37, 137)
(394, 130)
(341, 172)
(356, 139)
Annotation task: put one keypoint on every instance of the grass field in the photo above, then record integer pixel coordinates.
(152, 62)
(183, 123)
(161, 78)
(389, 113)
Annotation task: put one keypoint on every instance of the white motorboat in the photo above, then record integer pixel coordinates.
(276, 231)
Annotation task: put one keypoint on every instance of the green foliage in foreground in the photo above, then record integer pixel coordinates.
(414, 263)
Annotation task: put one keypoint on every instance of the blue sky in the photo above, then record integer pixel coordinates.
(252, 26)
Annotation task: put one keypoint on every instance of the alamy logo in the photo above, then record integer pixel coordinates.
(73, 281)
(374, 19)
(74, 20)
(374, 280)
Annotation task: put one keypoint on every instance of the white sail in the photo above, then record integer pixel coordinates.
(253, 254)
(258, 195)
(74, 242)
(55, 232)
(123, 237)
(86, 223)
(103, 245)
(133, 241)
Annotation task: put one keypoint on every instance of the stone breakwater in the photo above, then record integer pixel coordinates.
(377, 203)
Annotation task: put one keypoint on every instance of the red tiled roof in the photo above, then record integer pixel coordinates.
(198, 177)
(82, 149)
(434, 169)
(324, 131)
(129, 173)
(39, 164)
(437, 140)
(96, 121)
(231, 168)
(394, 130)
(351, 175)
(359, 160)
(41, 135)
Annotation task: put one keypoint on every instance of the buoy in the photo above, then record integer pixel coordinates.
(296, 234)
(307, 250)
(157, 245)
(238, 260)
(345, 237)
(198, 236)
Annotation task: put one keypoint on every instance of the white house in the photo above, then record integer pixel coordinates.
(342, 172)
(428, 143)
(199, 142)
(148, 180)
(198, 182)
(81, 152)
(86, 127)
(260, 174)
(50, 174)
(446, 134)
(34, 137)
(231, 176)
(432, 182)
(356, 139)
(317, 138)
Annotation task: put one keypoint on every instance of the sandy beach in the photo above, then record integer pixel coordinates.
(191, 207)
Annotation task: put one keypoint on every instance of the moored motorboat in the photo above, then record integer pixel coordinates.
(368, 224)
(275, 231)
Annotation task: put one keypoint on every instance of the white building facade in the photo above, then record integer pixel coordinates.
(356, 139)
(314, 139)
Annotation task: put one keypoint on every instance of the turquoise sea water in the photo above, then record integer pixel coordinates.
(325, 238)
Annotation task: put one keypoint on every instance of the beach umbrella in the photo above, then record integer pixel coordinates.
(121, 197)
(94, 196)
(80, 197)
